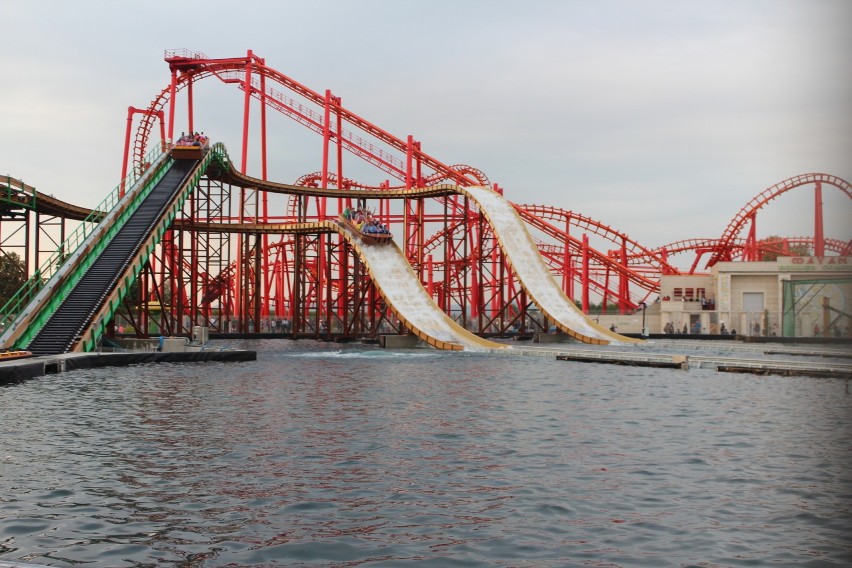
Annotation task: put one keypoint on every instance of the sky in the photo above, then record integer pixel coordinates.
(661, 119)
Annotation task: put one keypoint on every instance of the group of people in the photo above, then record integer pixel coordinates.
(833, 330)
(363, 219)
(192, 139)
(670, 329)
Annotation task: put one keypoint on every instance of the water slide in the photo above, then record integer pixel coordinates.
(511, 232)
(533, 273)
(408, 299)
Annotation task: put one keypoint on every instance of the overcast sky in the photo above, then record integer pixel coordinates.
(659, 118)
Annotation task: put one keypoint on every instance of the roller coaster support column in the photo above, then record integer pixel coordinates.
(321, 206)
(190, 118)
(412, 176)
(750, 248)
(246, 106)
(327, 135)
(498, 298)
(268, 287)
(124, 162)
(584, 278)
(496, 287)
(241, 305)
(172, 95)
(413, 220)
(324, 241)
(623, 283)
(430, 275)
(263, 106)
(326, 138)
(473, 261)
(567, 264)
(819, 237)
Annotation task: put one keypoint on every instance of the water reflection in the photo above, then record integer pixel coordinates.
(349, 457)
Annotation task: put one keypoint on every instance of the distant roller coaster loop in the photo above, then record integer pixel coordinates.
(726, 244)
(407, 166)
(188, 68)
(290, 258)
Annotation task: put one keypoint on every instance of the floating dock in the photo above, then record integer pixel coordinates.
(755, 359)
(21, 369)
(632, 359)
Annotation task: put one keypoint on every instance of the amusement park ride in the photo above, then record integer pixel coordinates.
(207, 244)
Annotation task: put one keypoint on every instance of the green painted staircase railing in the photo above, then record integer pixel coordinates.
(59, 282)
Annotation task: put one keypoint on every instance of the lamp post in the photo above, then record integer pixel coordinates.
(644, 331)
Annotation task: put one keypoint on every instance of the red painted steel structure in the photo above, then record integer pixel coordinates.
(747, 216)
(217, 267)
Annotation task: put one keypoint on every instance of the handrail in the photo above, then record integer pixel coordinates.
(25, 294)
(97, 326)
(8, 190)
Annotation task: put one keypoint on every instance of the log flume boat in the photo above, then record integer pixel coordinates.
(362, 223)
(14, 354)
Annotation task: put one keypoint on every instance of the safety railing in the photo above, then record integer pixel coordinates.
(11, 191)
(28, 291)
(97, 329)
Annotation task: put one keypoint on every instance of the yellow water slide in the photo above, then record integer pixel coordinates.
(409, 301)
(533, 273)
(516, 243)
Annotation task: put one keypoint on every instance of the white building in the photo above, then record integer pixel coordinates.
(791, 296)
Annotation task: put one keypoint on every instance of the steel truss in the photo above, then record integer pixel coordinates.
(239, 277)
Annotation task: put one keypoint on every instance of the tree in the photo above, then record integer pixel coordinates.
(13, 274)
(598, 308)
(774, 246)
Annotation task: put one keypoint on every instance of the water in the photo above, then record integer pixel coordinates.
(328, 455)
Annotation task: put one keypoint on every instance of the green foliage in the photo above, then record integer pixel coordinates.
(598, 308)
(12, 275)
(773, 246)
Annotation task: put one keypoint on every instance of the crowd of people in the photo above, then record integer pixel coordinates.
(364, 220)
(670, 329)
(192, 139)
(706, 304)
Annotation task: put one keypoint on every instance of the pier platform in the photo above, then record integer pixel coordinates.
(761, 359)
(22, 369)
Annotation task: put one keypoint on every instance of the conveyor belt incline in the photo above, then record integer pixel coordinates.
(72, 317)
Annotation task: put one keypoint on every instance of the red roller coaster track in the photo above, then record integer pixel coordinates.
(218, 265)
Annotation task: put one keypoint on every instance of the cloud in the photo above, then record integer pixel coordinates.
(660, 120)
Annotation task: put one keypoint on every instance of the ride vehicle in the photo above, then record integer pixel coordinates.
(362, 222)
(11, 355)
(190, 146)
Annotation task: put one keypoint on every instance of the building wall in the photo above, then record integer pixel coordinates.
(730, 284)
(686, 287)
(746, 319)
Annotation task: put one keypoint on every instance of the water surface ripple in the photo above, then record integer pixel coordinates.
(330, 455)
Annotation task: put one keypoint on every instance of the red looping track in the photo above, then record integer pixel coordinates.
(725, 247)
(625, 272)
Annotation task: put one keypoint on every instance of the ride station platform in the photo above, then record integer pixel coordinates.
(32, 367)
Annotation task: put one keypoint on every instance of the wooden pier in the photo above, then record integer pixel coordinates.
(810, 361)
(22, 369)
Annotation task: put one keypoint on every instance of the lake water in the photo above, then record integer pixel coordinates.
(328, 455)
